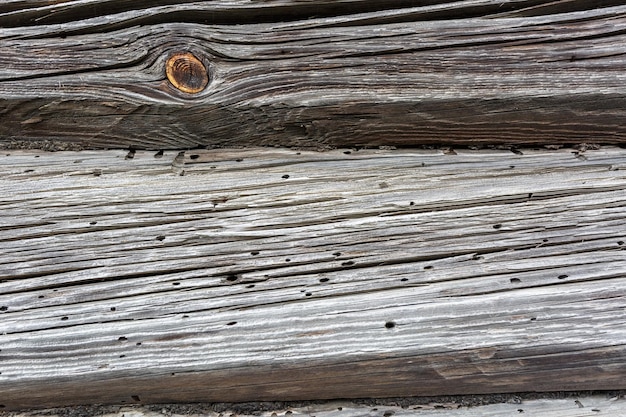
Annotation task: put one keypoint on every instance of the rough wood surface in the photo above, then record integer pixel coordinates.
(315, 73)
(239, 275)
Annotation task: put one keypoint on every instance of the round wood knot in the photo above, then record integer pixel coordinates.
(187, 73)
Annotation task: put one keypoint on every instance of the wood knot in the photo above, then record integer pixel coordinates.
(187, 73)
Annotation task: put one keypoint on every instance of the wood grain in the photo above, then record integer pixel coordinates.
(312, 74)
(240, 275)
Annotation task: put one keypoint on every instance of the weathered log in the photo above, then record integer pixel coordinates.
(311, 73)
(239, 275)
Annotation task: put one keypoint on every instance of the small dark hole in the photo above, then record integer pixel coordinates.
(64, 318)
(339, 408)
(160, 238)
(388, 414)
(620, 242)
(239, 160)
(159, 154)
(596, 410)
(287, 260)
(93, 223)
(36, 156)
(232, 277)
(288, 412)
(404, 279)
(254, 253)
(194, 156)
(122, 356)
(182, 173)
(250, 286)
(544, 240)
(324, 279)
(2, 406)
(308, 294)
(563, 276)
(515, 280)
(497, 226)
(285, 176)
(185, 316)
(130, 154)
(337, 254)
(347, 263)
(232, 323)
(135, 397)
(390, 325)
(138, 344)
(175, 283)
(347, 152)
(122, 339)
(28, 170)
(412, 203)
(519, 410)
(213, 167)
(511, 166)
(41, 296)
(113, 308)
(533, 318)
(428, 267)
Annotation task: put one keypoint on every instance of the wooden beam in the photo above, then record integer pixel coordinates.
(92, 74)
(240, 275)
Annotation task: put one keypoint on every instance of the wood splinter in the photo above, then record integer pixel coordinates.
(186, 73)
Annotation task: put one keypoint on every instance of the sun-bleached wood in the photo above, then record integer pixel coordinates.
(274, 274)
(312, 74)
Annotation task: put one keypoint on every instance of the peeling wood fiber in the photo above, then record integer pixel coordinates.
(315, 74)
(240, 275)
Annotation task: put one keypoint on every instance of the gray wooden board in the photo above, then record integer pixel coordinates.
(275, 274)
(315, 73)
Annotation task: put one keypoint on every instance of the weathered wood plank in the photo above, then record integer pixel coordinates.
(238, 275)
(312, 74)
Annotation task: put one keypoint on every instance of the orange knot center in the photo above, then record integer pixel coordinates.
(187, 73)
